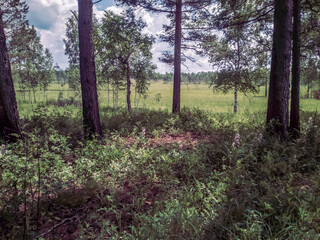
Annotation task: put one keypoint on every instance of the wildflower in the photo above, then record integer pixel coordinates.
(310, 121)
(253, 118)
(260, 138)
(2, 149)
(143, 133)
(180, 146)
(236, 142)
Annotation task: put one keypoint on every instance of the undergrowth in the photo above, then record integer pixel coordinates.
(230, 181)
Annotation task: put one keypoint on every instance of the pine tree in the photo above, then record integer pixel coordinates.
(91, 118)
(9, 117)
(176, 11)
(277, 113)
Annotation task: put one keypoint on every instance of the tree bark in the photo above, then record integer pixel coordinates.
(108, 92)
(128, 86)
(34, 94)
(9, 116)
(295, 88)
(91, 118)
(235, 107)
(277, 113)
(177, 58)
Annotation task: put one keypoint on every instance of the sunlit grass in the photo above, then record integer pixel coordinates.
(159, 96)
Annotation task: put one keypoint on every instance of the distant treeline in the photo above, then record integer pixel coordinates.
(196, 78)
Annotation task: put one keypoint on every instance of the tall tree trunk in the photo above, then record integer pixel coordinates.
(238, 76)
(135, 97)
(9, 117)
(235, 107)
(280, 67)
(91, 118)
(29, 95)
(308, 90)
(34, 94)
(128, 86)
(108, 92)
(177, 58)
(113, 95)
(295, 88)
(117, 96)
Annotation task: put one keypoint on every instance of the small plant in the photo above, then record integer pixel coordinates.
(158, 97)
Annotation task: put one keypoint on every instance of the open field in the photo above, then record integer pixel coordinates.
(159, 97)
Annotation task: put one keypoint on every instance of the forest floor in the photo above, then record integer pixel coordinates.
(156, 175)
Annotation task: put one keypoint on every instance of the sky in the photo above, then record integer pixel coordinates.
(49, 18)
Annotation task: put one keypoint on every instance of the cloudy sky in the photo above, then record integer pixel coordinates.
(49, 18)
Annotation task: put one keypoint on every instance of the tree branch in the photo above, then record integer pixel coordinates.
(75, 15)
(68, 220)
(97, 2)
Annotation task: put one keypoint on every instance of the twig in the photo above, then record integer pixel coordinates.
(75, 15)
(58, 225)
(97, 2)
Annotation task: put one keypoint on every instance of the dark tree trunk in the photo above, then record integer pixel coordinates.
(235, 107)
(266, 89)
(280, 67)
(177, 58)
(9, 117)
(108, 92)
(91, 118)
(238, 77)
(295, 88)
(34, 94)
(128, 87)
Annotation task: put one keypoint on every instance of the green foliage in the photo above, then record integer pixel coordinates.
(232, 54)
(139, 184)
(121, 46)
(32, 66)
(71, 41)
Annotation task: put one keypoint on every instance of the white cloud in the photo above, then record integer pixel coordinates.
(50, 16)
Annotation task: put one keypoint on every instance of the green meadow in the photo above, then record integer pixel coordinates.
(159, 97)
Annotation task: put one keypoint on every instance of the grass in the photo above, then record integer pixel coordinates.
(157, 175)
(192, 96)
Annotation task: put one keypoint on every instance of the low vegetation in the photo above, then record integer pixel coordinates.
(155, 175)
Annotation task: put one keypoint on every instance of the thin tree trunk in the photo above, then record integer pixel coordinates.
(34, 94)
(44, 95)
(177, 58)
(116, 96)
(308, 90)
(278, 100)
(128, 87)
(295, 88)
(113, 95)
(91, 118)
(266, 84)
(29, 95)
(9, 117)
(235, 107)
(108, 93)
(135, 97)
(238, 79)
(266, 89)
